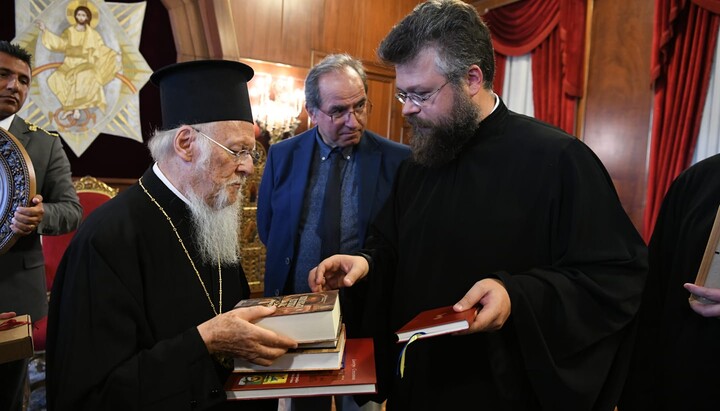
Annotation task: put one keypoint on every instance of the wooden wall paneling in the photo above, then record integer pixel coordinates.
(258, 27)
(187, 27)
(582, 102)
(387, 116)
(619, 96)
(384, 15)
(343, 26)
(219, 29)
(298, 19)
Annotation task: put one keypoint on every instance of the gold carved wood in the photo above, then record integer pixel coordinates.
(252, 250)
(93, 185)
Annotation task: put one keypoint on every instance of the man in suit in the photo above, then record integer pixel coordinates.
(55, 210)
(291, 200)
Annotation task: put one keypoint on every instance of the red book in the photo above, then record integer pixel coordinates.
(438, 321)
(356, 377)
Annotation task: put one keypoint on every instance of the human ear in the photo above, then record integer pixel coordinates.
(183, 142)
(475, 79)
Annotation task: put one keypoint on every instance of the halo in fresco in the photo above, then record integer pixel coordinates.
(83, 85)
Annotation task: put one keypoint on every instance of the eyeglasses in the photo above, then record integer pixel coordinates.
(418, 100)
(341, 116)
(241, 156)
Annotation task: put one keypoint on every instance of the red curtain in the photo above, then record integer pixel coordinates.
(554, 31)
(684, 42)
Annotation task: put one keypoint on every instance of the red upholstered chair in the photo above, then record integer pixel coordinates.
(92, 193)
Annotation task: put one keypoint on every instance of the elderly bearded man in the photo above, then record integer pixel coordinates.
(140, 315)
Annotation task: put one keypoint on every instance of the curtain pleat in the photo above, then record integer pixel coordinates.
(554, 32)
(683, 48)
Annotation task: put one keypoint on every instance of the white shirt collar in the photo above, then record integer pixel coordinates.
(497, 103)
(7, 122)
(169, 185)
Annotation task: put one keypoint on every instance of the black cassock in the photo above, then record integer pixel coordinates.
(529, 205)
(677, 357)
(124, 309)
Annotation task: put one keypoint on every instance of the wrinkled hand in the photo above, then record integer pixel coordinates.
(26, 219)
(706, 309)
(494, 305)
(338, 271)
(233, 334)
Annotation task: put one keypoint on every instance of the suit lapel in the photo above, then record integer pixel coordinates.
(369, 160)
(301, 161)
(20, 130)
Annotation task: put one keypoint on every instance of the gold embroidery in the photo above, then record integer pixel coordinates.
(33, 127)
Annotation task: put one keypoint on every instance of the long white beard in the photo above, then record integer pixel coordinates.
(216, 229)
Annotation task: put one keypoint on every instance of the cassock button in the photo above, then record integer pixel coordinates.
(214, 392)
(193, 403)
(287, 260)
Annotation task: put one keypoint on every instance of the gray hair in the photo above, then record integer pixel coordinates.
(161, 144)
(331, 63)
(454, 29)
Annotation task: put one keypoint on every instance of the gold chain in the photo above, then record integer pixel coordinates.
(182, 244)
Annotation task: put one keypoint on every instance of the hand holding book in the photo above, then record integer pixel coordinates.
(705, 300)
(494, 301)
(233, 334)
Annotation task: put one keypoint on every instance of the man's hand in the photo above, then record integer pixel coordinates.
(494, 305)
(234, 334)
(26, 219)
(710, 307)
(338, 271)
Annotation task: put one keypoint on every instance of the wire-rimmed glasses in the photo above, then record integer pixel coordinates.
(240, 156)
(340, 116)
(416, 99)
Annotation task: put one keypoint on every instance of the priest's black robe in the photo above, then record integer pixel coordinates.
(124, 310)
(677, 356)
(529, 205)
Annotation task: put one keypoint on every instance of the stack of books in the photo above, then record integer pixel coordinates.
(16, 339)
(325, 362)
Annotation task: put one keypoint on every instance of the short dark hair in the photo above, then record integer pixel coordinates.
(16, 51)
(453, 28)
(331, 63)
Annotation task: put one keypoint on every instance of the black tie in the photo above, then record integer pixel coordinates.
(330, 221)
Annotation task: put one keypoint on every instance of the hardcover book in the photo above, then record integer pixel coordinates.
(301, 359)
(16, 339)
(709, 272)
(356, 377)
(306, 318)
(438, 321)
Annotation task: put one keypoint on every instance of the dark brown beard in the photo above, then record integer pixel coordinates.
(437, 143)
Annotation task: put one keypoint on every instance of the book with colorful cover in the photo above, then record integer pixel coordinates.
(300, 359)
(357, 376)
(438, 321)
(306, 318)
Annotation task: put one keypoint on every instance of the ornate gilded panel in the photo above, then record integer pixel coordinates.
(252, 250)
